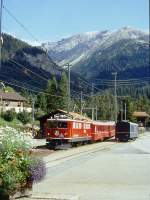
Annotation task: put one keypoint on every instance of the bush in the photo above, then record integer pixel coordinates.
(9, 115)
(17, 167)
(24, 117)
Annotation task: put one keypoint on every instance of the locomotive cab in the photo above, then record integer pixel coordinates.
(57, 132)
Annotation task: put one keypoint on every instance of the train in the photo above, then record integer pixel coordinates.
(73, 132)
(126, 130)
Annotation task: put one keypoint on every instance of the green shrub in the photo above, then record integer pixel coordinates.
(9, 115)
(16, 161)
(24, 117)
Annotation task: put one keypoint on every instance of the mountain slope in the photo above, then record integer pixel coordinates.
(25, 65)
(97, 54)
(125, 57)
(30, 67)
(80, 47)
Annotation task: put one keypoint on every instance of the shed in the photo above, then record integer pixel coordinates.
(142, 117)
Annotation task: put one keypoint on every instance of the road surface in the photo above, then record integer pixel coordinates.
(102, 171)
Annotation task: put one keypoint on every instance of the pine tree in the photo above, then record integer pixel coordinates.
(41, 102)
(51, 98)
(63, 91)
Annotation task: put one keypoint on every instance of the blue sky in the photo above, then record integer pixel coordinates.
(51, 20)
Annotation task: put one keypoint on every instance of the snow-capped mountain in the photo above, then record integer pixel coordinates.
(81, 46)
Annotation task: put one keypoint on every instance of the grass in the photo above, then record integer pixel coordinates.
(15, 123)
(18, 125)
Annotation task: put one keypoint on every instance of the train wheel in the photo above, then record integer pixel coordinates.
(74, 144)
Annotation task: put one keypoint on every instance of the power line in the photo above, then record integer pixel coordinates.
(109, 80)
(21, 24)
(80, 93)
(18, 82)
(13, 61)
(123, 81)
(89, 84)
(32, 90)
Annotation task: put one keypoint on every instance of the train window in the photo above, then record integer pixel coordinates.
(52, 124)
(86, 126)
(79, 124)
(62, 124)
(55, 124)
(76, 125)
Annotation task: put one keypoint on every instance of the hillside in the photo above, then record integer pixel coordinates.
(25, 65)
(30, 67)
(129, 58)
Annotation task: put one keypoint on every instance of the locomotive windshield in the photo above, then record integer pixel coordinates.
(57, 124)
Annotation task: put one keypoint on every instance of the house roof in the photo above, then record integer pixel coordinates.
(14, 96)
(70, 115)
(140, 114)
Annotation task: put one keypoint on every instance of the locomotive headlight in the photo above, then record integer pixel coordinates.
(56, 133)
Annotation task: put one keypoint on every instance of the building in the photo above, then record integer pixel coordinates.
(13, 101)
(141, 117)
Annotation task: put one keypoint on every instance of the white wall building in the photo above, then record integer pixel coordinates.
(13, 101)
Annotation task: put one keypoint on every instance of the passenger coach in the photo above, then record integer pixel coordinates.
(102, 130)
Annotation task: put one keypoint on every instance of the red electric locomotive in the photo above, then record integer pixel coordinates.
(67, 131)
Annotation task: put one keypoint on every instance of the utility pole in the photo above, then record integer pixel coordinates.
(1, 9)
(33, 111)
(68, 65)
(92, 93)
(115, 86)
(125, 113)
(1, 99)
(121, 110)
(81, 100)
(96, 112)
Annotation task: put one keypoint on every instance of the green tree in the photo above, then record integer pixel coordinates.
(52, 100)
(41, 102)
(63, 92)
(130, 108)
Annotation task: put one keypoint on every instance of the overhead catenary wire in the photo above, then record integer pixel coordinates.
(21, 24)
(104, 81)
(87, 83)
(25, 67)
(131, 79)
(36, 90)
(32, 90)
(25, 28)
(4, 75)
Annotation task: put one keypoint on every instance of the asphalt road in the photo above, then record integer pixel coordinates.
(118, 172)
